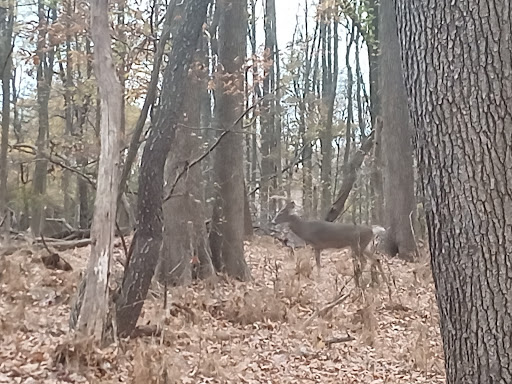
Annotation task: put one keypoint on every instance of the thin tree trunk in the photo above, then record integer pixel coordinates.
(330, 82)
(6, 42)
(94, 309)
(268, 118)
(44, 81)
(375, 106)
(307, 154)
(248, 227)
(463, 125)
(68, 105)
(350, 101)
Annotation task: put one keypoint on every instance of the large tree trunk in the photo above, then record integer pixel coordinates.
(227, 232)
(94, 309)
(148, 240)
(396, 141)
(185, 244)
(458, 75)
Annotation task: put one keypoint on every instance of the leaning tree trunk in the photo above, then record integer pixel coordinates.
(396, 141)
(458, 76)
(185, 248)
(140, 269)
(94, 309)
(227, 233)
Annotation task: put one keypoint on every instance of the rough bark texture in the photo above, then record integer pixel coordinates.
(226, 236)
(396, 141)
(458, 71)
(94, 309)
(185, 246)
(146, 250)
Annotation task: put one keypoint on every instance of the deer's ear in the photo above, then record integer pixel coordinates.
(290, 205)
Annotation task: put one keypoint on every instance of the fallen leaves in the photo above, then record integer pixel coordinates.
(231, 332)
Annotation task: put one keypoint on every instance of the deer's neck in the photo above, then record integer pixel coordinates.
(296, 224)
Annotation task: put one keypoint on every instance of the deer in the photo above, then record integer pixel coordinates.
(322, 235)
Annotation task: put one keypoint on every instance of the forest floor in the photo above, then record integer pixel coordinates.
(265, 331)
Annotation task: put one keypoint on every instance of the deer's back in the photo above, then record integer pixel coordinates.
(324, 235)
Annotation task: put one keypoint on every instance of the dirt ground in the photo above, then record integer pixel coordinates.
(265, 331)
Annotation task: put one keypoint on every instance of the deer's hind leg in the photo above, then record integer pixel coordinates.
(317, 259)
(357, 261)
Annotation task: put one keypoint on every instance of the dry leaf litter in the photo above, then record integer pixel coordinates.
(265, 331)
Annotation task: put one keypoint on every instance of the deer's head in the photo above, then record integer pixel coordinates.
(285, 214)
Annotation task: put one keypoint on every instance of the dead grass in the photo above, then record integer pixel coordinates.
(231, 332)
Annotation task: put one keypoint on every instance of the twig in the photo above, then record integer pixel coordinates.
(324, 310)
(24, 148)
(272, 176)
(335, 340)
(187, 167)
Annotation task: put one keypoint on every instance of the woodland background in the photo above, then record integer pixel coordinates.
(146, 147)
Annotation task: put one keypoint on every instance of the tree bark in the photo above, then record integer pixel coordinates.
(6, 24)
(68, 105)
(185, 243)
(44, 82)
(140, 269)
(148, 101)
(227, 232)
(248, 227)
(329, 86)
(307, 154)
(396, 141)
(350, 101)
(94, 309)
(268, 117)
(458, 75)
(372, 42)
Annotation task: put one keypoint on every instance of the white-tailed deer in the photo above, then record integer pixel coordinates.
(324, 235)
